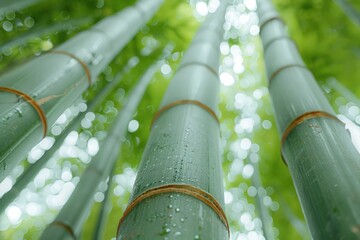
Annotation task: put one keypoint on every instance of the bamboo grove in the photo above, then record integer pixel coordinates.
(181, 189)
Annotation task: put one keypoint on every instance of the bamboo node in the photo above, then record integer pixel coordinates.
(212, 70)
(186, 189)
(181, 102)
(82, 63)
(65, 226)
(286, 67)
(299, 120)
(261, 26)
(33, 103)
(266, 46)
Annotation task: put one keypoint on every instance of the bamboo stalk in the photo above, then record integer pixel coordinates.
(11, 5)
(52, 82)
(262, 210)
(68, 222)
(349, 10)
(178, 192)
(322, 161)
(34, 169)
(42, 30)
(104, 211)
(345, 92)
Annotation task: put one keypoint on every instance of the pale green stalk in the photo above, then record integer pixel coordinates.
(183, 148)
(34, 169)
(55, 80)
(69, 221)
(323, 162)
(15, 5)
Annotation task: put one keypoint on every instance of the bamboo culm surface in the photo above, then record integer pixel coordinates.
(182, 152)
(316, 147)
(68, 223)
(35, 94)
(35, 168)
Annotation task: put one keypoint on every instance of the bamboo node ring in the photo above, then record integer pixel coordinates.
(186, 189)
(181, 102)
(299, 120)
(82, 63)
(65, 226)
(286, 67)
(33, 103)
(269, 20)
(212, 70)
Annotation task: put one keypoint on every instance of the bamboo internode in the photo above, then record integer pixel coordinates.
(301, 119)
(186, 189)
(83, 64)
(181, 102)
(33, 103)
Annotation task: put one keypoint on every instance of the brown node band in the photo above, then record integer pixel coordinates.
(302, 118)
(186, 189)
(286, 67)
(213, 71)
(33, 103)
(65, 226)
(278, 39)
(82, 63)
(181, 102)
(261, 26)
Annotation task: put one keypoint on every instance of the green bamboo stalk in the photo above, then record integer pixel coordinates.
(34, 169)
(55, 80)
(345, 92)
(71, 217)
(322, 161)
(104, 211)
(106, 204)
(183, 150)
(262, 210)
(299, 225)
(11, 5)
(349, 10)
(43, 30)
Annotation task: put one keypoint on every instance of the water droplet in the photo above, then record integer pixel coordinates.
(197, 236)
(171, 196)
(177, 234)
(174, 225)
(170, 206)
(177, 210)
(19, 111)
(167, 230)
(182, 220)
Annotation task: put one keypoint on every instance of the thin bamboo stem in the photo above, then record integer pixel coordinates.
(349, 11)
(10, 5)
(73, 214)
(261, 208)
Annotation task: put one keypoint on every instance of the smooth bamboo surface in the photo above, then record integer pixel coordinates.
(56, 79)
(183, 148)
(35, 168)
(323, 162)
(75, 211)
